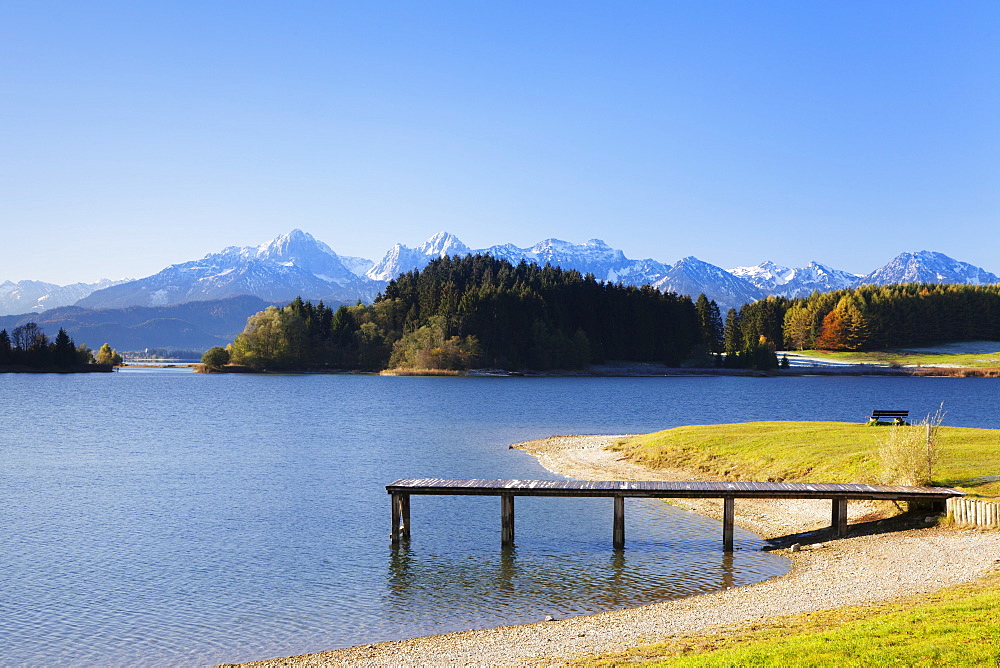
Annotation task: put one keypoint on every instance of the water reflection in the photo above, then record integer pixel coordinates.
(487, 587)
(507, 576)
(400, 567)
(728, 569)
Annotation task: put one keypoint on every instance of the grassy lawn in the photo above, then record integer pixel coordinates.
(812, 452)
(904, 357)
(959, 626)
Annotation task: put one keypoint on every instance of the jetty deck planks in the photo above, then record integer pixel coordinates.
(838, 493)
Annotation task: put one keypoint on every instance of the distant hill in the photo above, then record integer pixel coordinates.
(192, 326)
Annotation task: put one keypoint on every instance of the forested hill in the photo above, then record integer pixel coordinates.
(531, 316)
(872, 317)
(478, 311)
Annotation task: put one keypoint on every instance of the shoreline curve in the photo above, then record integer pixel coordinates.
(878, 567)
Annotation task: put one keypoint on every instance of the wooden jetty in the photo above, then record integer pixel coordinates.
(619, 490)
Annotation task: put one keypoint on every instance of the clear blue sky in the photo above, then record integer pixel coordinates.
(140, 134)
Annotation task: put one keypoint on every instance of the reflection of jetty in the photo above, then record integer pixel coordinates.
(838, 493)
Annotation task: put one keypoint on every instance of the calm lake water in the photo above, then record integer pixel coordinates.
(162, 517)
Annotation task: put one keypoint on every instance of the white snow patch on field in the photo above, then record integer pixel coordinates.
(962, 348)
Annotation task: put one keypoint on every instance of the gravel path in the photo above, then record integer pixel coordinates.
(852, 571)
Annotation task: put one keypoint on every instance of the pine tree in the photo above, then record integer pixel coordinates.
(5, 348)
(63, 350)
(733, 334)
(710, 324)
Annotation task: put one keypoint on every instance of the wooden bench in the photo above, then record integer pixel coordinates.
(898, 417)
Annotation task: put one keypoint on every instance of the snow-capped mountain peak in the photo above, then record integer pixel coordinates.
(691, 276)
(551, 245)
(775, 279)
(401, 259)
(289, 245)
(928, 267)
(443, 243)
(594, 248)
(766, 273)
(290, 265)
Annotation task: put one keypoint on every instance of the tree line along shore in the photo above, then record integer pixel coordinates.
(28, 349)
(474, 312)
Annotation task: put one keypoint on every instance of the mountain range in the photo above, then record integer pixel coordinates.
(279, 270)
(38, 296)
(691, 276)
(297, 264)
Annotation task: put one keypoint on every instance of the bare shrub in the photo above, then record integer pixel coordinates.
(907, 454)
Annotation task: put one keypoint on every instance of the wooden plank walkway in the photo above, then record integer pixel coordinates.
(838, 493)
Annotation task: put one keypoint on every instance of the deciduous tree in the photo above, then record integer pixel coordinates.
(107, 355)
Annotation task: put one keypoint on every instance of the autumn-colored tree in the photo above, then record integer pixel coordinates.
(108, 355)
(892, 316)
(832, 333)
(855, 325)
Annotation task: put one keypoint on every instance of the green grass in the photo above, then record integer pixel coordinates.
(959, 626)
(811, 452)
(903, 357)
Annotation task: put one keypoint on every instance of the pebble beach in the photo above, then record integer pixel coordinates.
(857, 570)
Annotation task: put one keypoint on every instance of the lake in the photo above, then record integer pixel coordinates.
(162, 517)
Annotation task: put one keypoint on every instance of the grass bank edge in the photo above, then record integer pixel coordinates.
(907, 358)
(955, 626)
(779, 451)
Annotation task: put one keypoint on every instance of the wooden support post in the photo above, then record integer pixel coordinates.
(839, 517)
(507, 520)
(728, 518)
(394, 534)
(618, 533)
(400, 517)
(404, 515)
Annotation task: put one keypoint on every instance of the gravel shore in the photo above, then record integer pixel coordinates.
(857, 570)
